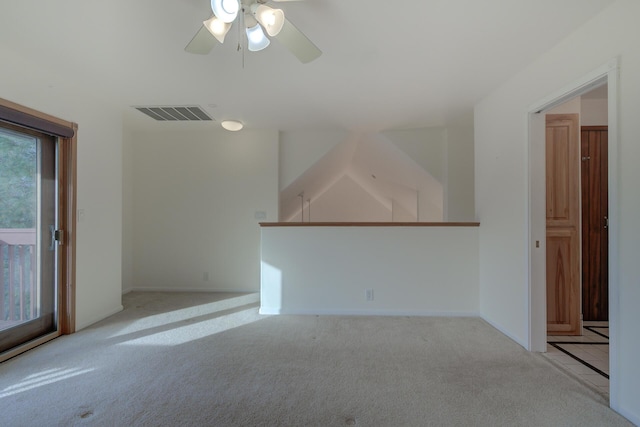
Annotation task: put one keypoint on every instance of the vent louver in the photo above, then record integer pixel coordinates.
(183, 113)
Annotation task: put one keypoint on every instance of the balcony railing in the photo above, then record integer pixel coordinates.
(18, 290)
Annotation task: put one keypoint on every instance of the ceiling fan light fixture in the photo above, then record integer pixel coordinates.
(232, 125)
(225, 10)
(259, 22)
(256, 39)
(217, 28)
(271, 19)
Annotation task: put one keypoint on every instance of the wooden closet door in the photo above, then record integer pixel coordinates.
(563, 216)
(595, 233)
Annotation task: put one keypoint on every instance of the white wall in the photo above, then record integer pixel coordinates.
(299, 150)
(99, 234)
(459, 187)
(347, 201)
(378, 167)
(425, 146)
(317, 178)
(400, 214)
(572, 106)
(196, 194)
(447, 153)
(411, 270)
(502, 189)
(127, 211)
(593, 112)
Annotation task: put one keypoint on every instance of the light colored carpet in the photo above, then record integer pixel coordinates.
(172, 359)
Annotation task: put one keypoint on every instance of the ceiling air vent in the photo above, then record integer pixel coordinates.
(183, 113)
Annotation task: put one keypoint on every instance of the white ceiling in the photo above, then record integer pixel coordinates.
(385, 65)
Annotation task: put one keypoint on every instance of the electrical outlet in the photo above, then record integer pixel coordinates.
(369, 294)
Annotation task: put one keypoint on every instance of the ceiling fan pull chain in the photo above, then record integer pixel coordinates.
(241, 35)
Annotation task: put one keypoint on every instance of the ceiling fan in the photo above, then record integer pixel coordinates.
(256, 18)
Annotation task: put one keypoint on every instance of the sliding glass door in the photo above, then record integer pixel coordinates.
(28, 236)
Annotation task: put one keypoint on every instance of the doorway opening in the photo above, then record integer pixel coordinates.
(537, 243)
(576, 165)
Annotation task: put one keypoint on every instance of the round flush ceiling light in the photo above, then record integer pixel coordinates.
(232, 125)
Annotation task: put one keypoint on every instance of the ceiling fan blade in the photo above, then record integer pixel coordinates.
(202, 42)
(299, 44)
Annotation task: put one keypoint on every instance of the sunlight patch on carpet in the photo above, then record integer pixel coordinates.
(42, 378)
(184, 334)
(183, 314)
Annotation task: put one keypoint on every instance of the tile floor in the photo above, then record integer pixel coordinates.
(587, 356)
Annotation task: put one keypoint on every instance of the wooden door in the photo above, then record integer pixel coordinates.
(563, 217)
(595, 233)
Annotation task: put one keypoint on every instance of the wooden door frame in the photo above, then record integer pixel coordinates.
(67, 196)
(535, 247)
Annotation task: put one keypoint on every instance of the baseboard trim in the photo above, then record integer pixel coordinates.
(160, 289)
(634, 418)
(96, 319)
(504, 331)
(368, 312)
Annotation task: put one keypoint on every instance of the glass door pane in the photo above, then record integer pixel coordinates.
(28, 193)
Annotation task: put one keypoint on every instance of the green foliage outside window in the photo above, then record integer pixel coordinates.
(17, 181)
(18, 168)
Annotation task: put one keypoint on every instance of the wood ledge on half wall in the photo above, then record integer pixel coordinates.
(369, 224)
